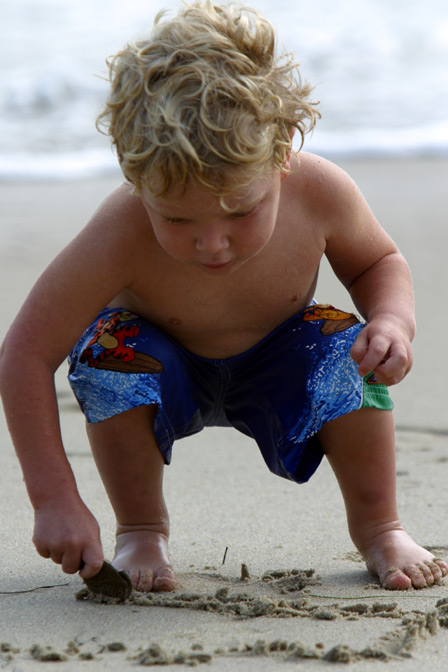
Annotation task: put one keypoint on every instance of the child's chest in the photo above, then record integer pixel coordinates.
(219, 316)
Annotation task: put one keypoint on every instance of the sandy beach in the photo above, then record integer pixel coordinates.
(269, 578)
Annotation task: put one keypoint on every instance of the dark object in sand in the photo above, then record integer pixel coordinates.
(111, 583)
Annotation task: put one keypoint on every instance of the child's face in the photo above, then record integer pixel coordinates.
(194, 228)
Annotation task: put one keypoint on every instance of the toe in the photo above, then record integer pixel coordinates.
(142, 579)
(419, 575)
(134, 575)
(165, 580)
(146, 582)
(442, 567)
(427, 573)
(437, 568)
(395, 579)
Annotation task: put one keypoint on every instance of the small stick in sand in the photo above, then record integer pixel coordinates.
(244, 572)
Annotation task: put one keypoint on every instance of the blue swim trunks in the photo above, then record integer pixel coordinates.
(280, 392)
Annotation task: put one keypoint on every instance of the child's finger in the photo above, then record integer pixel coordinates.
(70, 562)
(377, 353)
(395, 367)
(360, 347)
(91, 563)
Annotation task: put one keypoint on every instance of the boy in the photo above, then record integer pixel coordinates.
(188, 301)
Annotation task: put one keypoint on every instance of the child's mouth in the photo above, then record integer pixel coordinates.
(215, 265)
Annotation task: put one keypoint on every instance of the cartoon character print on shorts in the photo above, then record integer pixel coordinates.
(334, 320)
(110, 334)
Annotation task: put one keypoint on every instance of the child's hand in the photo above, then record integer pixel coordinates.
(70, 537)
(383, 347)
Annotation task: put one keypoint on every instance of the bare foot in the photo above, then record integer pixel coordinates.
(400, 563)
(143, 554)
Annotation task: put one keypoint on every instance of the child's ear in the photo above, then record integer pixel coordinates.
(287, 161)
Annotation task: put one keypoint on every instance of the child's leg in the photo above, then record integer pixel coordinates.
(360, 447)
(131, 467)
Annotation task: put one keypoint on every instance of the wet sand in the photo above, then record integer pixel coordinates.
(305, 595)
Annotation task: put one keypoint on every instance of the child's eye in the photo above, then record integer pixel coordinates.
(244, 213)
(175, 220)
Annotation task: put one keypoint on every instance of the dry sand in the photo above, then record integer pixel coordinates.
(320, 606)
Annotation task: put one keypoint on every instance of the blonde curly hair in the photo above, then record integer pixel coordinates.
(203, 94)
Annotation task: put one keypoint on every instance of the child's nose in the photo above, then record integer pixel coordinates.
(212, 241)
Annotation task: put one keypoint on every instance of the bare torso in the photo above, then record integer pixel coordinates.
(224, 315)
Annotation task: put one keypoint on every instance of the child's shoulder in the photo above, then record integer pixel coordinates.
(319, 173)
(119, 221)
(119, 228)
(321, 184)
(121, 207)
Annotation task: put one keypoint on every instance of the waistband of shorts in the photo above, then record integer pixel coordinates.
(212, 360)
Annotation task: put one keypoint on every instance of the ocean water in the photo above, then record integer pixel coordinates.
(380, 68)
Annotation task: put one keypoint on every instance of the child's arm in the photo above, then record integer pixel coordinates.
(377, 276)
(64, 530)
(384, 295)
(78, 283)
